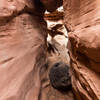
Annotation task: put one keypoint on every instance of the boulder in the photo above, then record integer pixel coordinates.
(52, 88)
(82, 19)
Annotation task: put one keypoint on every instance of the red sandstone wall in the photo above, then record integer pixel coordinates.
(82, 18)
(22, 44)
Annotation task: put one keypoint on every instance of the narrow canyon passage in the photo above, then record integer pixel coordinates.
(57, 56)
(36, 50)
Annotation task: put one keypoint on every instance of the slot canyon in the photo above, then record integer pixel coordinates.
(49, 50)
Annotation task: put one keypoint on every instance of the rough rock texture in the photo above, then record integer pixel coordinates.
(22, 43)
(56, 28)
(59, 54)
(51, 5)
(23, 69)
(60, 77)
(82, 19)
(54, 16)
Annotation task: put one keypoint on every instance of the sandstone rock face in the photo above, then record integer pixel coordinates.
(82, 18)
(60, 54)
(22, 44)
(51, 5)
(23, 33)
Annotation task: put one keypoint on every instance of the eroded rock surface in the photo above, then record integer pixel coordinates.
(23, 46)
(58, 54)
(22, 43)
(82, 19)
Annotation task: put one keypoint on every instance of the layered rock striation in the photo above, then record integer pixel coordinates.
(22, 44)
(23, 47)
(82, 19)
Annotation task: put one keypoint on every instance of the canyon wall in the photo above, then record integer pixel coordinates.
(22, 49)
(82, 19)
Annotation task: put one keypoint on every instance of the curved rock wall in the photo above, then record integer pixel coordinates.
(82, 19)
(23, 48)
(22, 44)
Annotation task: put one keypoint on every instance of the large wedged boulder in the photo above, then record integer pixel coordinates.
(82, 19)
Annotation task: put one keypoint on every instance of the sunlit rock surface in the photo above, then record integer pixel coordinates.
(55, 24)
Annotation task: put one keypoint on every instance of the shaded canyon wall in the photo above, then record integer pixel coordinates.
(82, 19)
(23, 48)
(22, 44)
